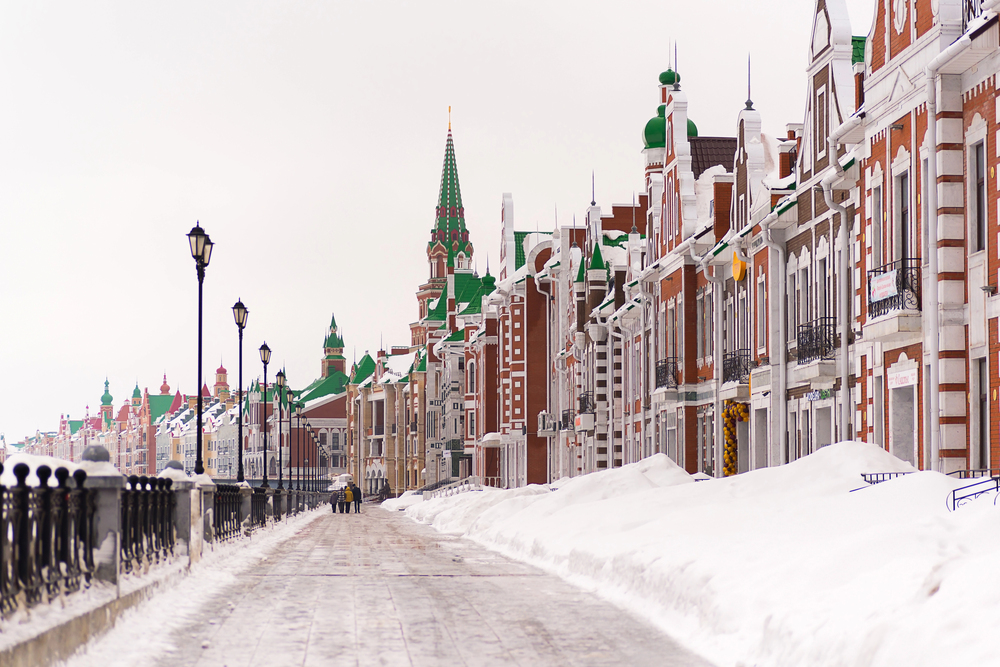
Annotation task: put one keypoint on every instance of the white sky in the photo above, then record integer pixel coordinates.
(308, 138)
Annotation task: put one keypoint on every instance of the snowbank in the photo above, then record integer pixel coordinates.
(408, 499)
(781, 566)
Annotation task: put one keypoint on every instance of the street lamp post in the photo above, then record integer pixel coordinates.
(201, 251)
(265, 356)
(279, 379)
(240, 312)
(298, 445)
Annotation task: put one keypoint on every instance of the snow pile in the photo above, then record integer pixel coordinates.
(408, 499)
(781, 566)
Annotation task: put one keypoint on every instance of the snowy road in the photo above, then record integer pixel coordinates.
(379, 589)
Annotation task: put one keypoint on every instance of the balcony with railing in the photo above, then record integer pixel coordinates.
(736, 366)
(567, 420)
(816, 340)
(971, 9)
(894, 300)
(667, 372)
(587, 403)
(584, 420)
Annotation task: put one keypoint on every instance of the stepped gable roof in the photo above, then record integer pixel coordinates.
(123, 413)
(711, 151)
(363, 369)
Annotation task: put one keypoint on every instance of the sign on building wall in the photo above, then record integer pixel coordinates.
(883, 286)
(903, 379)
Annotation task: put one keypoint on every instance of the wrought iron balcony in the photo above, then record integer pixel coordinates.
(971, 9)
(817, 339)
(567, 420)
(894, 286)
(667, 372)
(736, 366)
(587, 404)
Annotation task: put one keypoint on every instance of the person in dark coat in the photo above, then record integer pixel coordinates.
(357, 498)
(333, 502)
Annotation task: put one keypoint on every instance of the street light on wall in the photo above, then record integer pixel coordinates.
(240, 313)
(201, 251)
(279, 379)
(265, 357)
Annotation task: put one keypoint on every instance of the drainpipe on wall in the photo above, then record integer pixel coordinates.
(933, 317)
(846, 400)
(779, 347)
(718, 291)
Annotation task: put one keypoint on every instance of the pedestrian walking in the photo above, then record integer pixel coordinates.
(342, 499)
(333, 502)
(348, 498)
(357, 498)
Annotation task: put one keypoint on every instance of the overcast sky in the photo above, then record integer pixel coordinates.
(308, 139)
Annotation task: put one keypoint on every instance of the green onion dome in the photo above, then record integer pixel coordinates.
(670, 77)
(654, 135)
(692, 128)
(106, 399)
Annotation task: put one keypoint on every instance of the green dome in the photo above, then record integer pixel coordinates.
(670, 77)
(692, 128)
(136, 393)
(654, 135)
(106, 399)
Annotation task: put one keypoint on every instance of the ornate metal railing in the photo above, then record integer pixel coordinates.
(568, 418)
(969, 492)
(736, 366)
(879, 477)
(46, 537)
(971, 9)
(667, 372)
(817, 339)
(227, 511)
(258, 508)
(147, 524)
(974, 473)
(587, 404)
(894, 286)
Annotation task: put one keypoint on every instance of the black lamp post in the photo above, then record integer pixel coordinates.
(201, 251)
(298, 445)
(240, 312)
(265, 356)
(279, 379)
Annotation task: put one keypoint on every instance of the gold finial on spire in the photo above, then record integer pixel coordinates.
(449, 118)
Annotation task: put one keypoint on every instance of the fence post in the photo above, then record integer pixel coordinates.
(246, 493)
(269, 508)
(207, 490)
(106, 483)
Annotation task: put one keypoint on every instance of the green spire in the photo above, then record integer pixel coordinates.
(333, 322)
(450, 214)
(581, 275)
(597, 262)
(106, 399)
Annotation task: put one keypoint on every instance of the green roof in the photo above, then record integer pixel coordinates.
(581, 276)
(106, 399)
(75, 425)
(487, 286)
(597, 261)
(335, 384)
(858, 49)
(136, 393)
(422, 366)
(363, 369)
(158, 405)
(519, 257)
(450, 214)
(654, 135)
(467, 286)
(334, 340)
(456, 337)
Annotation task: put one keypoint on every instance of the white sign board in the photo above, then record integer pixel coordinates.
(883, 286)
(903, 379)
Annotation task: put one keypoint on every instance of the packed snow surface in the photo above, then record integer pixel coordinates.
(802, 564)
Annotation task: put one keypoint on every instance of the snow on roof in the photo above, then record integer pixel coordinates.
(704, 190)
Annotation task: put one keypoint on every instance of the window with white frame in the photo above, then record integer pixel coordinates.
(977, 170)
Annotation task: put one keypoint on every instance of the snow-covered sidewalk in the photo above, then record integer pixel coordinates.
(781, 566)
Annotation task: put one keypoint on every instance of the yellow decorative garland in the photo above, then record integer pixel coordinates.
(732, 412)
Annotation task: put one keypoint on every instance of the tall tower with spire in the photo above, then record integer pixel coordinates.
(333, 350)
(449, 246)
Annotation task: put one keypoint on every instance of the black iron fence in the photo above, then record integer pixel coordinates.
(894, 286)
(667, 372)
(147, 522)
(227, 511)
(736, 366)
(969, 492)
(879, 477)
(258, 508)
(817, 339)
(46, 537)
(587, 404)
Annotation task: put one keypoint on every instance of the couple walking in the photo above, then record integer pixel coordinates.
(344, 497)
